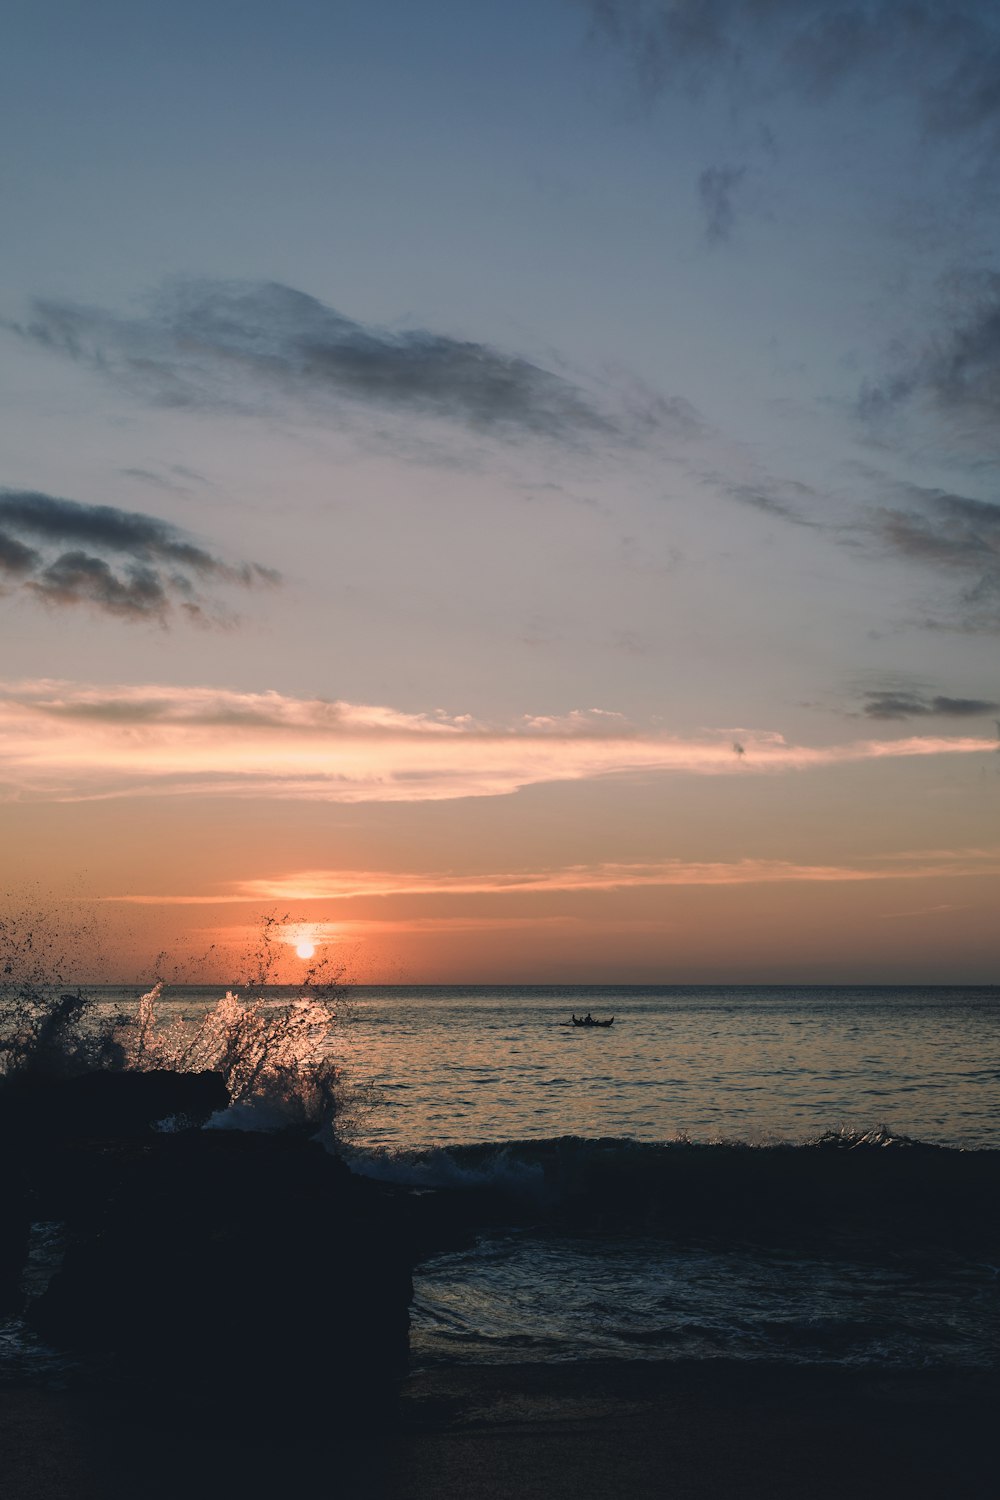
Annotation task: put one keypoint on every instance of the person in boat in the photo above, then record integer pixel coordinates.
(588, 1019)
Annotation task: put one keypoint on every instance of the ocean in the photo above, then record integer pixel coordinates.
(755, 1063)
(475, 1080)
(573, 1137)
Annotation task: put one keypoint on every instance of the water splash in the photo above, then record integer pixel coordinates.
(276, 1056)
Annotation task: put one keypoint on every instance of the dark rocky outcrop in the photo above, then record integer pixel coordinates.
(223, 1264)
(15, 1224)
(38, 1108)
(212, 1267)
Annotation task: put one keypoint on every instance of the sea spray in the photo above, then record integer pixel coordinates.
(275, 1055)
(43, 1019)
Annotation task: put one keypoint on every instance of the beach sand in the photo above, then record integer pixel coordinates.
(590, 1431)
(715, 1429)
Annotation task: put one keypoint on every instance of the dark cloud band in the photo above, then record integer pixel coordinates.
(912, 705)
(216, 343)
(121, 563)
(61, 521)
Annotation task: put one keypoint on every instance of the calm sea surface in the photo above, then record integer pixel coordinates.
(752, 1062)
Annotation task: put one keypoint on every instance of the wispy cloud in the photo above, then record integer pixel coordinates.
(956, 535)
(717, 189)
(121, 563)
(351, 885)
(921, 911)
(67, 742)
(932, 68)
(176, 478)
(212, 344)
(956, 372)
(786, 499)
(945, 59)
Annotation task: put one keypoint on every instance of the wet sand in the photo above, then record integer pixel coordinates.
(712, 1431)
(719, 1430)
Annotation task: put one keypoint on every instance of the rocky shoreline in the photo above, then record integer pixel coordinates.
(199, 1265)
(239, 1303)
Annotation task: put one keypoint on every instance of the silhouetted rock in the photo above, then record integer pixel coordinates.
(210, 1265)
(252, 1250)
(215, 1267)
(118, 1105)
(15, 1226)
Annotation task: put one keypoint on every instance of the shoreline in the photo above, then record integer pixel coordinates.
(593, 1431)
(708, 1429)
(247, 1298)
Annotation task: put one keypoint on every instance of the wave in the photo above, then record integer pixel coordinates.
(844, 1183)
(503, 1168)
(550, 1294)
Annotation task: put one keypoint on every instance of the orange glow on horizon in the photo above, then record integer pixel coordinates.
(348, 885)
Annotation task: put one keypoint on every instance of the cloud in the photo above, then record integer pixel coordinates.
(16, 559)
(944, 58)
(957, 372)
(921, 911)
(103, 526)
(351, 885)
(78, 578)
(154, 568)
(955, 534)
(220, 708)
(952, 531)
(775, 497)
(67, 742)
(320, 885)
(717, 190)
(177, 480)
(893, 704)
(212, 343)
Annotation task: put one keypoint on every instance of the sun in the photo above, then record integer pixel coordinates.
(305, 949)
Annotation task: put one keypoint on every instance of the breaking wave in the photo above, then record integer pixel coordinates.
(552, 1297)
(841, 1183)
(858, 1248)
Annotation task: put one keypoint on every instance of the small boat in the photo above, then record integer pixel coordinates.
(589, 1021)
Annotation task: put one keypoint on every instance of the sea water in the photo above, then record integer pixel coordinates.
(474, 1064)
(481, 1063)
(473, 1081)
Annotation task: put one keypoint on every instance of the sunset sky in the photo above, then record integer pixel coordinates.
(513, 485)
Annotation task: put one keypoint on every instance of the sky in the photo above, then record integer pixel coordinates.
(511, 487)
